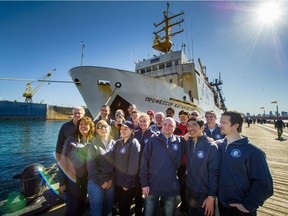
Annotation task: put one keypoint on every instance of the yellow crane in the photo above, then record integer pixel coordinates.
(28, 94)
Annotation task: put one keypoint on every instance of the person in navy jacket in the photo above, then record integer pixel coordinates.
(202, 165)
(211, 128)
(73, 167)
(142, 135)
(127, 159)
(161, 159)
(245, 181)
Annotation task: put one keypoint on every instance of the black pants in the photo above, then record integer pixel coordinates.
(181, 173)
(139, 201)
(75, 197)
(233, 211)
(125, 199)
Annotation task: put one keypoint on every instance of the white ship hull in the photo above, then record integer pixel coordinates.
(97, 85)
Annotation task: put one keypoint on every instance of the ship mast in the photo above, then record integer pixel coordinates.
(164, 43)
(218, 83)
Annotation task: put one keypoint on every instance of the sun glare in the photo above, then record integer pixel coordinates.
(269, 13)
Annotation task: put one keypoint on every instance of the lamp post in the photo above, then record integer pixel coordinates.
(264, 110)
(277, 114)
(82, 55)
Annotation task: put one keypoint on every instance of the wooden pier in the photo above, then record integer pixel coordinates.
(264, 136)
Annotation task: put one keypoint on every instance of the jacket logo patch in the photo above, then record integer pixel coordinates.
(235, 153)
(123, 150)
(218, 136)
(200, 154)
(175, 147)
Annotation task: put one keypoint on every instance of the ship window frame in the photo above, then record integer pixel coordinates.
(142, 71)
(148, 69)
(155, 68)
(161, 66)
(169, 64)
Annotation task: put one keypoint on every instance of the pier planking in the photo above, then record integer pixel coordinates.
(264, 136)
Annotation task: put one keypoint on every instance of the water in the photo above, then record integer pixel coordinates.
(23, 143)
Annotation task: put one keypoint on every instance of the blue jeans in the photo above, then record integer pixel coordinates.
(167, 204)
(194, 201)
(101, 201)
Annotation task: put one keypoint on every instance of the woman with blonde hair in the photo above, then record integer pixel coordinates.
(101, 171)
(73, 164)
(142, 135)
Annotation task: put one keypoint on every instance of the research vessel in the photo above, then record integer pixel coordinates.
(168, 79)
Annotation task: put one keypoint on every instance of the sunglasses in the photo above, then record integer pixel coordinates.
(102, 126)
(194, 114)
(192, 125)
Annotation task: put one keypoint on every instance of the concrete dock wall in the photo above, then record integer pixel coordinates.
(61, 113)
(58, 113)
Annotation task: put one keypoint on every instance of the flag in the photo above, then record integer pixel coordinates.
(274, 102)
(261, 107)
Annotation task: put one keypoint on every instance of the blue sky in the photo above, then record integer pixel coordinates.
(36, 37)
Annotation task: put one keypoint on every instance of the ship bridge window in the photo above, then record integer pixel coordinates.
(169, 64)
(154, 68)
(176, 62)
(161, 66)
(148, 69)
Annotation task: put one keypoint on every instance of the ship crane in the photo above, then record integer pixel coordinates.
(202, 69)
(28, 94)
(218, 83)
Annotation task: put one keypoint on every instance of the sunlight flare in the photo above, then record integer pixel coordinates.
(269, 13)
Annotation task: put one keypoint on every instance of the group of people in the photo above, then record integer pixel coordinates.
(159, 162)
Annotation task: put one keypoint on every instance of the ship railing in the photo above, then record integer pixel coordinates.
(165, 71)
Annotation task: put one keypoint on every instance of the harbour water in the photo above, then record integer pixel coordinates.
(23, 143)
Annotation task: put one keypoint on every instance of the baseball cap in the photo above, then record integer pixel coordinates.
(151, 112)
(127, 124)
(183, 112)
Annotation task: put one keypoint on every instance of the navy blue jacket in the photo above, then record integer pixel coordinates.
(143, 138)
(100, 161)
(202, 165)
(127, 157)
(216, 134)
(157, 169)
(244, 175)
(66, 130)
(73, 161)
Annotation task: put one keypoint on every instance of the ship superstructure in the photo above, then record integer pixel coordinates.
(166, 80)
